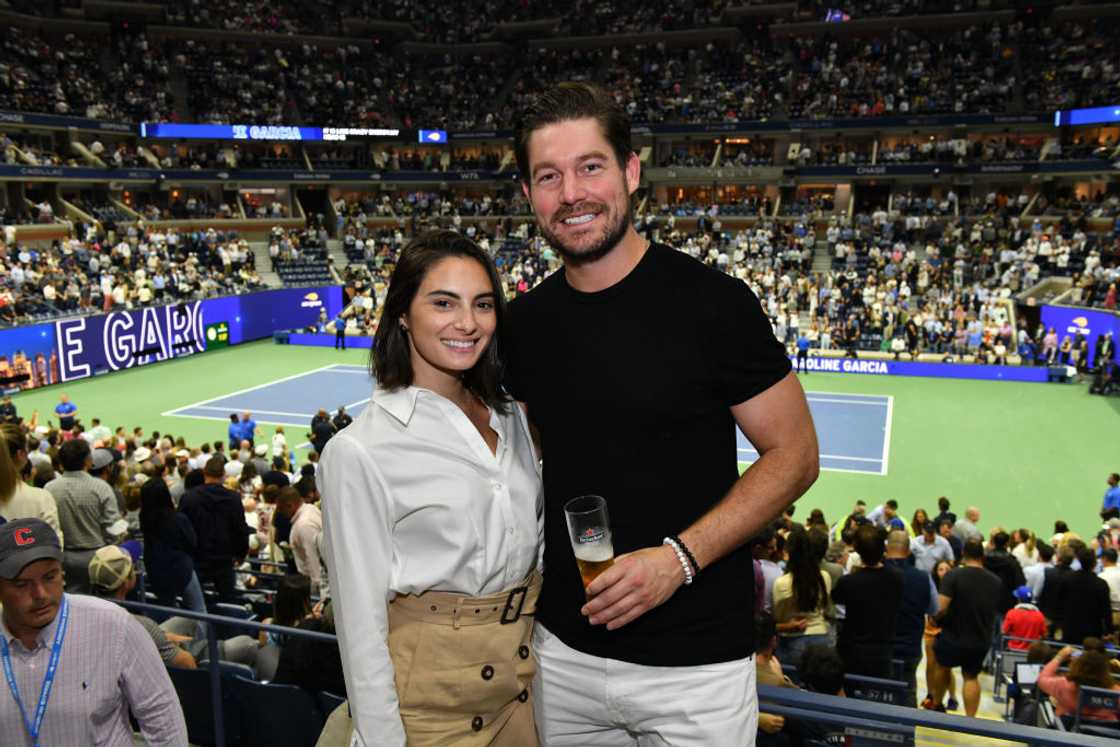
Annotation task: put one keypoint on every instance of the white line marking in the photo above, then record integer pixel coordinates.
(170, 413)
(887, 437)
(834, 469)
(825, 456)
(362, 401)
(265, 412)
(226, 420)
(846, 401)
(845, 394)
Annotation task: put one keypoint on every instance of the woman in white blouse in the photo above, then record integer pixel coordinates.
(432, 516)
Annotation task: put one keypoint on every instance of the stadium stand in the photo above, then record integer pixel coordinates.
(891, 187)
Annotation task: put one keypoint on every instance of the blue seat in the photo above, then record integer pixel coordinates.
(277, 714)
(891, 692)
(1098, 699)
(193, 688)
(328, 702)
(234, 611)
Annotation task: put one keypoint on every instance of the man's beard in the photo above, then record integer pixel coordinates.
(611, 236)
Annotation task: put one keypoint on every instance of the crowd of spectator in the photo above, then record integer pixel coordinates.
(884, 588)
(993, 67)
(873, 593)
(185, 518)
(141, 268)
(909, 72)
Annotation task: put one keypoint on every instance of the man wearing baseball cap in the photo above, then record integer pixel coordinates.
(74, 666)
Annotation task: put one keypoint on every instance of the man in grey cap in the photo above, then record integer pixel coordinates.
(87, 512)
(85, 659)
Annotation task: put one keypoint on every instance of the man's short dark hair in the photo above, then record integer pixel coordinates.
(306, 486)
(892, 504)
(391, 355)
(73, 454)
(1109, 554)
(1086, 558)
(943, 504)
(821, 670)
(1000, 540)
(565, 102)
(973, 550)
(193, 479)
(215, 467)
(869, 545)
(1045, 551)
(1060, 527)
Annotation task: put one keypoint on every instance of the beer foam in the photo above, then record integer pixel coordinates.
(596, 552)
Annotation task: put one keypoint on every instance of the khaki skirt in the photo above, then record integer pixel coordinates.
(464, 670)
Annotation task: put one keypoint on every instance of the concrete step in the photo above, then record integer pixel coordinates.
(264, 264)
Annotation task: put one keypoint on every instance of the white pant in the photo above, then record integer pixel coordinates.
(585, 701)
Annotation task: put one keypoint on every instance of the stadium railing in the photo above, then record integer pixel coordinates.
(878, 723)
(859, 718)
(212, 624)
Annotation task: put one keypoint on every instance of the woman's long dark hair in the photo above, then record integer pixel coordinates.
(809, 591)
(390, 359)
(293, 600)
(157, 512)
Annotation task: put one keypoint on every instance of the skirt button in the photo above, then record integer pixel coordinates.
(487, 672)
(476, 723)
(524, 696)
(523, 652)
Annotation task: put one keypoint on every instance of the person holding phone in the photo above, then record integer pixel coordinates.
(432, 517)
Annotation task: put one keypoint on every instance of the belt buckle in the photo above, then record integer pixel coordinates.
(520, 592)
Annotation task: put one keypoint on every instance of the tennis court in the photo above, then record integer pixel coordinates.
(854, 431)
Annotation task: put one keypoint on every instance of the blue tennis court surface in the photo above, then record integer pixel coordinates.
(854, 431)
(293, 400)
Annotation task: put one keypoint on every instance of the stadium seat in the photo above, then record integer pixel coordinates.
(277, 714)
(1097, 699)
(235, 611)
(193, 688)
(891, 692)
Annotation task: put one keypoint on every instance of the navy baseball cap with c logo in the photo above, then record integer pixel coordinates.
(24, 541)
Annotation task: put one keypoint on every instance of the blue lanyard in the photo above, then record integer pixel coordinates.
(48, 679)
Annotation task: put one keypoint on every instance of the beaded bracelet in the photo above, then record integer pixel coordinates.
(687, 553)
(680, 556)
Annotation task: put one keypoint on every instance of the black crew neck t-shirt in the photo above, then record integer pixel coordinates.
(975, 594)
(631, 389)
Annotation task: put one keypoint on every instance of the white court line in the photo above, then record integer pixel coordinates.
(847, 401)
(173, 412)
(824, 456)
(226, 420)
(887, 437)
(834, 469)
(846, 394)
(264, 412)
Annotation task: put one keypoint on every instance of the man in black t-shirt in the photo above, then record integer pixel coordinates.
(969, 600)
(871, 596)
(635, 364)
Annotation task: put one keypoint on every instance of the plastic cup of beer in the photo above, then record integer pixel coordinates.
(590, 531)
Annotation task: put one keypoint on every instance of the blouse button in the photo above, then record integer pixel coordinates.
(524, 696)
(523, 652)
(476, 723)
(487, 672)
